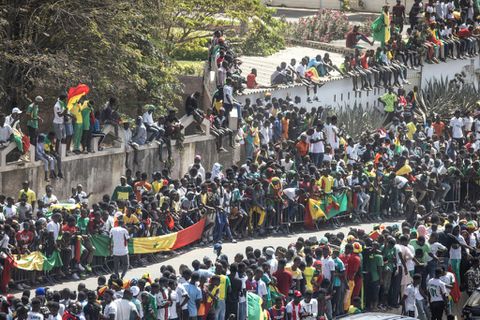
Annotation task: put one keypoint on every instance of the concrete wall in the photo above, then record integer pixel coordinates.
(333, 94)
(471, 68)
(100, 172)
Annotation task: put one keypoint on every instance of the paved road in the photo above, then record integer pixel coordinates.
(230, 249)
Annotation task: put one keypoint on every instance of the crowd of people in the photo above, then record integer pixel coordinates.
(426, 173)
(439, 30)
(423, 172)
(78, 126)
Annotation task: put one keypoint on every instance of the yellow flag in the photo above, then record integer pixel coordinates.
(315, 209)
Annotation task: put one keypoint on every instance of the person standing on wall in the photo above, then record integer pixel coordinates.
(33, 117)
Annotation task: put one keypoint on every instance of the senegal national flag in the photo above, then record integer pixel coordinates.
(152, 244)
(254, 307)
(381, 28)
(75, 93)
(315, 207)
(38, 261)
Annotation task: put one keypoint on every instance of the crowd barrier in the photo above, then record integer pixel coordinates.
(318, 209)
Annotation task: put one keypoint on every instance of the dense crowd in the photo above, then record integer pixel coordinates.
(438, 31)
(77, 126)
(423, 171)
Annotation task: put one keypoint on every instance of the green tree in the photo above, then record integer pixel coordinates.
(107, 44)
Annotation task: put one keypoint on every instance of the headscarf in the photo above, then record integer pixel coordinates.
(217, 171)
(422, 231)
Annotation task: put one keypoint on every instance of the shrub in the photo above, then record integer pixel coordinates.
(194, 50)
(325, 26)
(264, 37)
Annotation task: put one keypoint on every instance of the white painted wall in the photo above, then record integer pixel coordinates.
(471, 67)
(333, 94)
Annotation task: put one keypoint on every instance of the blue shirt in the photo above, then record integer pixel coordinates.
(339, 267)
(194, 294)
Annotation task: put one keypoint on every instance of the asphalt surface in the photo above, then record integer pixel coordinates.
(230, 249)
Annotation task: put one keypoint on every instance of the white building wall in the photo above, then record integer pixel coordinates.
(470, 67)
(333, 94)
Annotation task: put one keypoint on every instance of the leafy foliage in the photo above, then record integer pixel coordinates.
(325, 26)
(355, 120)
(265, 36)
(107, 44)
(444, 96)
(117, 47)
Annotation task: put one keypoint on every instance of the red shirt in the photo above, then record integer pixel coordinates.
(352, 265)
(284, 281)
(251, 81)
(72, 229)
(25, 236)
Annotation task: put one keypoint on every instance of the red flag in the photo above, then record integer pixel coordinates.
(75, 93)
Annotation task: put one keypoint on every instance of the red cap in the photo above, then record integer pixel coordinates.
(297, 293)
(317, 263)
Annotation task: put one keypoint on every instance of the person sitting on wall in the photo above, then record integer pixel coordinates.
(192, 108)
(354, 36)
(139, 137)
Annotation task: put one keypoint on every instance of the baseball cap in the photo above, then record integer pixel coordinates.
(40, 291)
(297, 293)
(38, 99)
(16, 110)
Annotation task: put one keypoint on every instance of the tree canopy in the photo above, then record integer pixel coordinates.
(117, 47)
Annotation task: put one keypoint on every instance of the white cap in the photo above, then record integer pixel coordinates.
(16, 110)
(135, 290)
(38, 99)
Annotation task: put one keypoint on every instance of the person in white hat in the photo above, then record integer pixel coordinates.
(13, 120)
(33, 117)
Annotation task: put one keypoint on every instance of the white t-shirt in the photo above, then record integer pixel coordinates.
(468, 123)
(261, 288)
(437, 289)
(227, 94)
(317, 147)
(172, 309)
(110, 309)
(54, 227)
(328, 266)
(352, 154)
(449, 280)
(182, 294)
(406, 253)
(10, 212)
(34, 316)
(5, 133)
(434, 247)
(331, 133)
(457, 253)
(286, 165)
(300, 69)
(410, 292)
(57, 108)
(125, 309)
(294, 309)
(456, 124)
(273, 263)
(148, 118)
(309, 308)
(120, 238)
